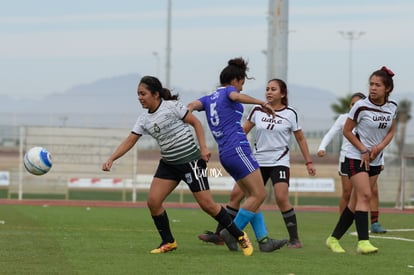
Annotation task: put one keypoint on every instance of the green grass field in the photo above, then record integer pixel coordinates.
(80, 240)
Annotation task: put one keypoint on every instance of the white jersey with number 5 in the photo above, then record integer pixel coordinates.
(271, 146)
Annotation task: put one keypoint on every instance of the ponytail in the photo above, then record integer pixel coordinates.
(154, 86)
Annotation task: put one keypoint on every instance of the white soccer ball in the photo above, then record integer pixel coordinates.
(37, 161)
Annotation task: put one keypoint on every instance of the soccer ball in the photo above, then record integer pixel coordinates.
(37, 161)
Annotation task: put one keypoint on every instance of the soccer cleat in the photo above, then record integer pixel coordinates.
(333, 244)
(210, 237)
(377, 228)
(294, 244)
(245, 245)
(229, 240)
(365, 247)
(269, 245)
(164, 248)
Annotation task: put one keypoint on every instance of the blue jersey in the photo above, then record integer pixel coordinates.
(224, 116)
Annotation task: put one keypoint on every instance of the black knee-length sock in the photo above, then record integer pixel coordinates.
(232, 212)
(226, 221)
(361, 224)
(291, 223)
(163, 226)
(345, 221)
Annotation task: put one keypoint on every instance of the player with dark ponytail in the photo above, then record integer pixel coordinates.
(181, 158)
(370, 127)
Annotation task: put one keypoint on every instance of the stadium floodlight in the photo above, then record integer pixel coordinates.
(351, 36)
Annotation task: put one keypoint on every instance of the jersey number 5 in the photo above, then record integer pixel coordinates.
(214, 118)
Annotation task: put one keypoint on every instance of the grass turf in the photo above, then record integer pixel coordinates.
(83, 240)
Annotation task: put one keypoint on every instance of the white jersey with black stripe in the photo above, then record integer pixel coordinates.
(167, 127)
(373, 122)
(273, 135)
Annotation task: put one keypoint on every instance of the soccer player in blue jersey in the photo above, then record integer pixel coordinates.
(271, 149)
(369, 128)
(181, 159)
(224, 111)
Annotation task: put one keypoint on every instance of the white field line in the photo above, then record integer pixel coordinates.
(382, 236)
(400, 230)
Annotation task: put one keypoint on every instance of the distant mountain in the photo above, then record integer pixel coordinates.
(113, 102)
(113, 95)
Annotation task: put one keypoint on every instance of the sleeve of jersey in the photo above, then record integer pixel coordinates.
(294, 119)
(252, 114)
(179, 109)
(203, 103)
(353, 113)
(139, 127)
(395, 110)
(334, 130)
(230, 89)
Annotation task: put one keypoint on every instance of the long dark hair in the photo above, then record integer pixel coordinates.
(154, 85)
(236, 69)
(283, 90)
(357, 94)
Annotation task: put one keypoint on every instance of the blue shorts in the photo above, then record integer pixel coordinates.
(239, 162)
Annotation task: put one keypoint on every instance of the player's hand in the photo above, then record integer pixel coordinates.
(205, 154)
(366, 159)
(311, 169)
(374, 153)
(321, 153)
(268, 109)
(107, 165)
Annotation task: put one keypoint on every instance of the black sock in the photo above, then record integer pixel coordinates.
(345, 221)
(232, 212)
(163, 226)
(374, 216)
(291, 224)
(361, 224)
(225, 221)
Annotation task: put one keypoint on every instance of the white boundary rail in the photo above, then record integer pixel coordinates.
(404, 188)
(76, 153)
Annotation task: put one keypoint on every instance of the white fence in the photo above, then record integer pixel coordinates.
(76, 153)
(80, 152)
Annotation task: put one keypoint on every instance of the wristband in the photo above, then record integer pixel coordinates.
(309, 162)
(364, 152)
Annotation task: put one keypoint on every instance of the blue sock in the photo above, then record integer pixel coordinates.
(259, 226)
(243, 218)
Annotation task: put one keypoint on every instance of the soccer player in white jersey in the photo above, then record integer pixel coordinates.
(336, 128)
(181, 159)
(370, 127)
(271, 150)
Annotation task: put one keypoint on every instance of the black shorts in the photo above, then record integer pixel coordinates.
(194, 173)
(353, 167)
(276, 174)
(343, 170)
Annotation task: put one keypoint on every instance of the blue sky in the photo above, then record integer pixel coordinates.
(49, 46)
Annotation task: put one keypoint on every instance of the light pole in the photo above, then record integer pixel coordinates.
(157, 63)
(351, 36)
(168, 49)
(277, 39)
